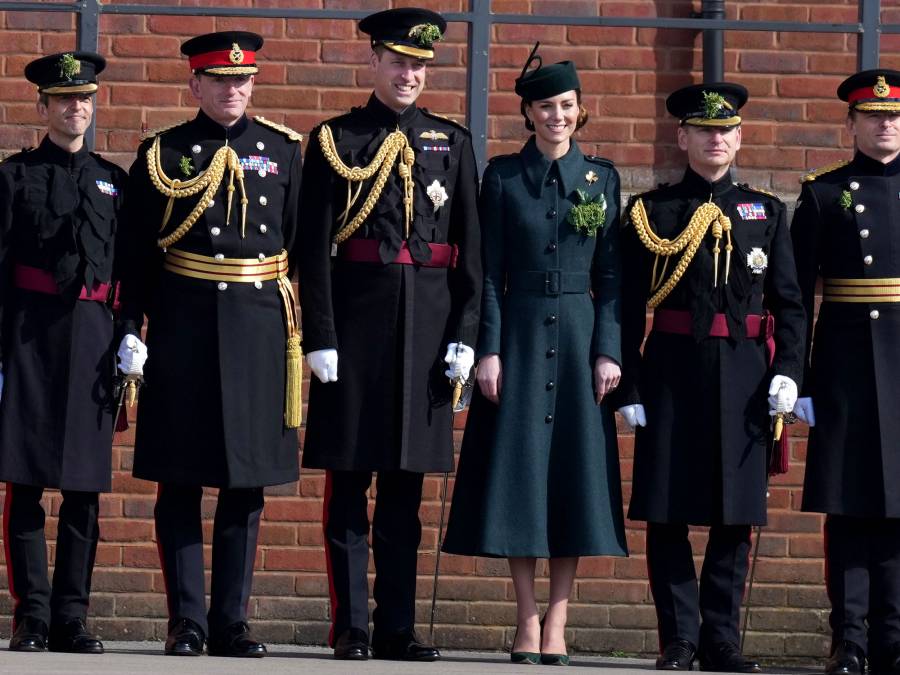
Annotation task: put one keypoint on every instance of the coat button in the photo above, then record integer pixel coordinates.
(215, 231)
(263, 228)
(260, 145)
(874, 314)
(551, 318)
(263, 200)
(551, 213)
(552, 181)
(868, 260)
(222, 286)
(219, 256)
(864, 233)
(548, 419)
(551, 246)
(854, 185)
(258, 284)
(859, 208)
(195, 149)
(551, 353)
(212, 203)
(262, 173)
(550, 385)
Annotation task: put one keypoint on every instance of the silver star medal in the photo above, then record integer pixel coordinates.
(757, 260)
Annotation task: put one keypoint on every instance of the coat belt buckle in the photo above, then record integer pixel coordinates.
(552, 282)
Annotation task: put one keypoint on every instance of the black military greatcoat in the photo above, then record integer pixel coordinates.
(390, 323)
(59, 213)
(846, 227)
(212, 408)
(701, 459)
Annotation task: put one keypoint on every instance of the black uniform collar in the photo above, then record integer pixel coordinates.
(699, 186)
(213, 130)
(872, 167)
(537, 166)
(387, 117)
(62, 157)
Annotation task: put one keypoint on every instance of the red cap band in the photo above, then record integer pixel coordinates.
(868, 93)
(221, 58)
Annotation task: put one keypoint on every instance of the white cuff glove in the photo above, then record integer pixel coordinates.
(324, 362)
(782, 395)
(804, 410)
(634, 415)
(460, 359)
(132, 355)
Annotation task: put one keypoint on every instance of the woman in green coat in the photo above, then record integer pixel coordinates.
(539, 470)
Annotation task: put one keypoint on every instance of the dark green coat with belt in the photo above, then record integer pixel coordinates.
(539, 474)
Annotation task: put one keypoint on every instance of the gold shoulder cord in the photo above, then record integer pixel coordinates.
(209, 180)
(395, 143)
(689, 241)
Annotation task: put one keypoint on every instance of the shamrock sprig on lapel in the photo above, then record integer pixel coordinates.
(186, 164)
(589, 214)
(846, 199)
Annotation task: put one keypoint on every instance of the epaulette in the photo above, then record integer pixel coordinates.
(751, 188)
(599, 160)
(444, 118)
(287, 131)
(153, 133)
(812, 175)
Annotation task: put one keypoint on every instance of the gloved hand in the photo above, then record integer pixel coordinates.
(804, 410)
(460, 359)
(634, 415)
(132, 355)
(324, 363)
(782, 395)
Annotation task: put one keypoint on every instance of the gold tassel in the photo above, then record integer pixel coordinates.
(728, 247)
(293, 381)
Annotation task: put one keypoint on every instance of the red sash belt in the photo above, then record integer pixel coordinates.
(40, 281)
(366, 250)
(679, 322)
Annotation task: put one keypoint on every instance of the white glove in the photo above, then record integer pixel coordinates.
(782, 395)
(132, 355)
(804, 410)
(323, 363)
(634, 415)
(460, 359)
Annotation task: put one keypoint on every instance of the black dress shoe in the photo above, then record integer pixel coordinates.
(678, 655)
(235, 641)
(404, 647)
(847, 658)
(72, 637)
(30, 635)
(352, 645)
(185, 639)
(725, 657)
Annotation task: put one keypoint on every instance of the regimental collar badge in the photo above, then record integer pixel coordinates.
(433, 135)
(757, 260)
(591, 177)
(881, 89)
(236, 56)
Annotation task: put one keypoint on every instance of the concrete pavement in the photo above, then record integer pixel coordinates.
(145, 658)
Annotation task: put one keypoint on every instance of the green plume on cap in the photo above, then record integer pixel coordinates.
(425, 34)
(713, 104)
(69, 66)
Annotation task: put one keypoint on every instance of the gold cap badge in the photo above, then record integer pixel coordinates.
(237, 55)
(881, 88)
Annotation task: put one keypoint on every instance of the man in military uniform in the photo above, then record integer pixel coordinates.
(845, 229)
(390, 285)
(713, 260)
(215, 211)
(59, 214)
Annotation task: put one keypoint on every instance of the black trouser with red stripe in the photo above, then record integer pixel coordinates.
(26, 554)
(179, 534)
(396, 533)
(862, 573)
(680, 604)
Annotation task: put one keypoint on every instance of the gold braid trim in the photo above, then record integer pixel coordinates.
(689, 241)
(287, 131)
(153, 133)
(392, 147)
(815, 173)
(208, 182)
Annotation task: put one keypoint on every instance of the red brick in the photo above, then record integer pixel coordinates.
(43, 21)
(146, 46)
(181, 25)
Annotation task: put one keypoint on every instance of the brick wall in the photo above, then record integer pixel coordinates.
(313, 69)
